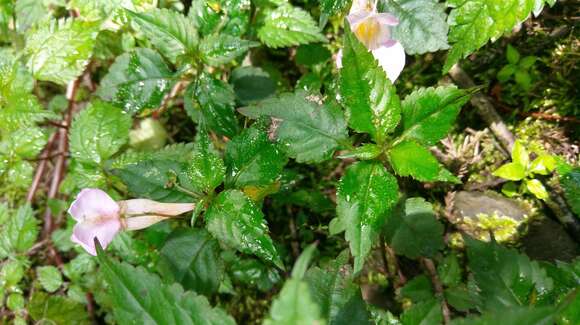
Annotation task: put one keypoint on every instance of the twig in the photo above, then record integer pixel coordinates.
(390, 259)
(177, 88)
(438, 286)
(40, 170)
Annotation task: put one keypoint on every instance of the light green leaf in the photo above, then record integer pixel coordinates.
(537, 188)
(473, 23)
(29, 13)
(365, 195)
(309, 131)
(59, 50)
(137, 80)
(289, 26)
(429, 113)
(49, 277)
(301, 264)
(513, 56)
(527, 62)
(98, 132)
(511, 171)
(543, 165)
(251, 159)
(173, 34)
(333, 7)
(55, 309)
(140, 297)
(206, 170)
(411, 159)
(27, 142)
(372, 103)
(191, 257)
(211, 103)
(523, 79)
(422, 27)
(219, 49)
(236, 221)
(18, 233)
(570, 183)
(416, 232)
(294, 305)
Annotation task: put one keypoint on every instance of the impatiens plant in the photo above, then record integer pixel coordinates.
(265, 161)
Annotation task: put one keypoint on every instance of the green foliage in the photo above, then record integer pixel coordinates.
(221, 49)
(49, 277)
(57, 309)
(571, 185)
(206, 170)
(411, 159)
(287, 25)
(309, 132)
(137, 80)
(19, 230)
(252, 84)
(519, 69)
(230, 17)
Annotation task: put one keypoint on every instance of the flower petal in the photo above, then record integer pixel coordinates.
(391, 59)
(84, 233)
(92, 203)
(386, 19)
(142, 222)
(144, 206)
(338, 59)
(357, 17)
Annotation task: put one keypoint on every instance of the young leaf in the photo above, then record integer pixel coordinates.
(511, 171)
(422, 27)
(173, 34)
(289, 26)
(49, 277)
(211, 102)
(537, 188)
(137, 80)
(570, 183)
(58, 51)
(543, 165)
(191, 257)
(251, 159)
(513, 56)
(520, 155)
(98, 132)
(411, 159)
(372, 103)
(429, 113)
(140, 297)
(18, 233)
(206, 170)
(416, 232)
(474, 23)
(366, 194)
(236, 221)
(220, 49)
(57, 309)
(310, 132)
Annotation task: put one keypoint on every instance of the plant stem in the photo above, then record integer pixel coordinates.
(438, 286)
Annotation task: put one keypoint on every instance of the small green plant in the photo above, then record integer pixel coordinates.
(518, 68)
(524, 170)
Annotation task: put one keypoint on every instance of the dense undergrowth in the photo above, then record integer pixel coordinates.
(303, 162)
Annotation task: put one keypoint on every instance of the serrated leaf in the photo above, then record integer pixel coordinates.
(251, 159)
(294, 305)
(211, 103)
(59, 50)
(418, 289)
(309, 132)
(371, 101)
(57, 309)
(425, 312)
(219, 49)
(332, 7)
(416, 232)
(570, 183)
(18, 233)
(422, 25)
(191, 258)
(366, 193)
(137, 80)
(289, 26)
(449, 270)
(231, 17)
(140, 297)
(473, 23)
(19, 110)
(98, 132)
(429, 113)
(177, 152)
(206, 169)
(411, 159)
(49, 277)
(236, 221)
(172, 33)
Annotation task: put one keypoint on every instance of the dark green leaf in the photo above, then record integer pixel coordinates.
(514, 315)
(449, 270)
(365, 196)
(220, 49)
(571, 185)
(411, 159)
(312, 54)
(289, 26)
(426, 312)
(236, 221)
(137, 80)
(252, 84)
(418, 289)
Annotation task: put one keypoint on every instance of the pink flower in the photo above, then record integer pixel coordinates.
(373, 29)
(99, 216)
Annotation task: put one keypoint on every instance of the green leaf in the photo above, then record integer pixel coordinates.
(55, 309)
(523, 79)
(425, 312)
(543, 165)
(411, 159)
(137, 80)
(301, 264)
(58, 51)
(289, 26)
(527, 62)
(252, 84)
(140, 297)
(251, 159)
(230, 17)
(366, 193)
(211, 102)
(416, 232)
(98, 132)
(18, 233)
(312, 54)
(570, 183)
(367, 151)
(219, 49)
(514, 315)
(513, 56)
(332, 7)
(372, 103)
(474, 23)
(422, 27)
(309, 131)
(49, 277)
(173, 34)
(29, 13)
(429, 113)
(449, 270)
(206, 170)
(418, 289)
(294, 305)
(506, 72)
(191, 258)
(511, 171)
(537, 188)
(236, 221)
